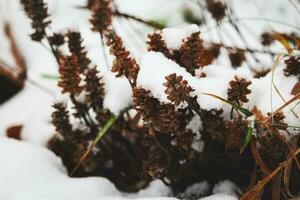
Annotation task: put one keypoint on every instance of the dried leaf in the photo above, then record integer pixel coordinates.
(283, 41)
(296, 88)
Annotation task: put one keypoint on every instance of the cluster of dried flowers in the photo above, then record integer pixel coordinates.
(152, 139)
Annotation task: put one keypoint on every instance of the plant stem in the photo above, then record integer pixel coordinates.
(100, 134)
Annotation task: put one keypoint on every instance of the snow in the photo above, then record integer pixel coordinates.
(49, 179)
(154, 67)
(117, 93)
(22, 107)
(196, 189)
(175, 36)
(40, 121)
(219, 197)
(30, 172)
(226, 187)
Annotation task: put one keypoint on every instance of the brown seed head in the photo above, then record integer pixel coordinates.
(238, 91)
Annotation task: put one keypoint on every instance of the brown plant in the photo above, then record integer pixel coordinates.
(238, 91)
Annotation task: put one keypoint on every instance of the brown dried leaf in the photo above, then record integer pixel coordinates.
(296, 88)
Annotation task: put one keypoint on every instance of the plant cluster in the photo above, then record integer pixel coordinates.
(157, 140)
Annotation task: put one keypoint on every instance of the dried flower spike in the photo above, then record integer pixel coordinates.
(124, 64)
(238, 91)
(161, 117)
(102, 15)
(37, 11)
(156, 43)
(266, 39)
(189, 54)
(57, 39)
(77, 49)
(60, 119)
(292, 66)
(178, 89)
(217, 9)
(237, 57)
(95, 88)
(69, 71)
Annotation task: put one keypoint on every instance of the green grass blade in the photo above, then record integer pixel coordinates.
(245, 111)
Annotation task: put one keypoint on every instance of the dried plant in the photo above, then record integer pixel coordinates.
(153, 139)
(102, 15)
(124, 64)
(70, 75)
(189, 54)
(77, 49)
(178, 90)
(95, 89)
(217, 8)
(156, 43)
(60, 119)
(292, 66)
(238, 90)
(37, 11)
(237, 57)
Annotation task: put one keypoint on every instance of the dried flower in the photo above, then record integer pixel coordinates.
(69, 71)
(57, 39)
(217, 9)
(124, 64)
(237, 57)
(235, 133)
(102, 15)
(266, 39)
(213, 125)
(37, 11)
(278, 121)
(95, 88)
(238, 91)
(156, 163)
(162, 117)
(261, 73)
(185, 139)
(60, 119)
(292, 66)
(209, 54)
(77, 49)
(189, 54)
(157, 44)
(178, 89)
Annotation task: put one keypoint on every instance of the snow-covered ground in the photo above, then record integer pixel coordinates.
(30, 171)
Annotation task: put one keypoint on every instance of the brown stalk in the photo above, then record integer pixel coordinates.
(258, 158)
(297, 96)
(252, 193)
(14, 47)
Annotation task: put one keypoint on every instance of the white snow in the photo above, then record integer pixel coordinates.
(226, 187)
(117, 93)
(155, 67)
(30, 172)
(220, 197)
(175, 36)
(196, 189)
